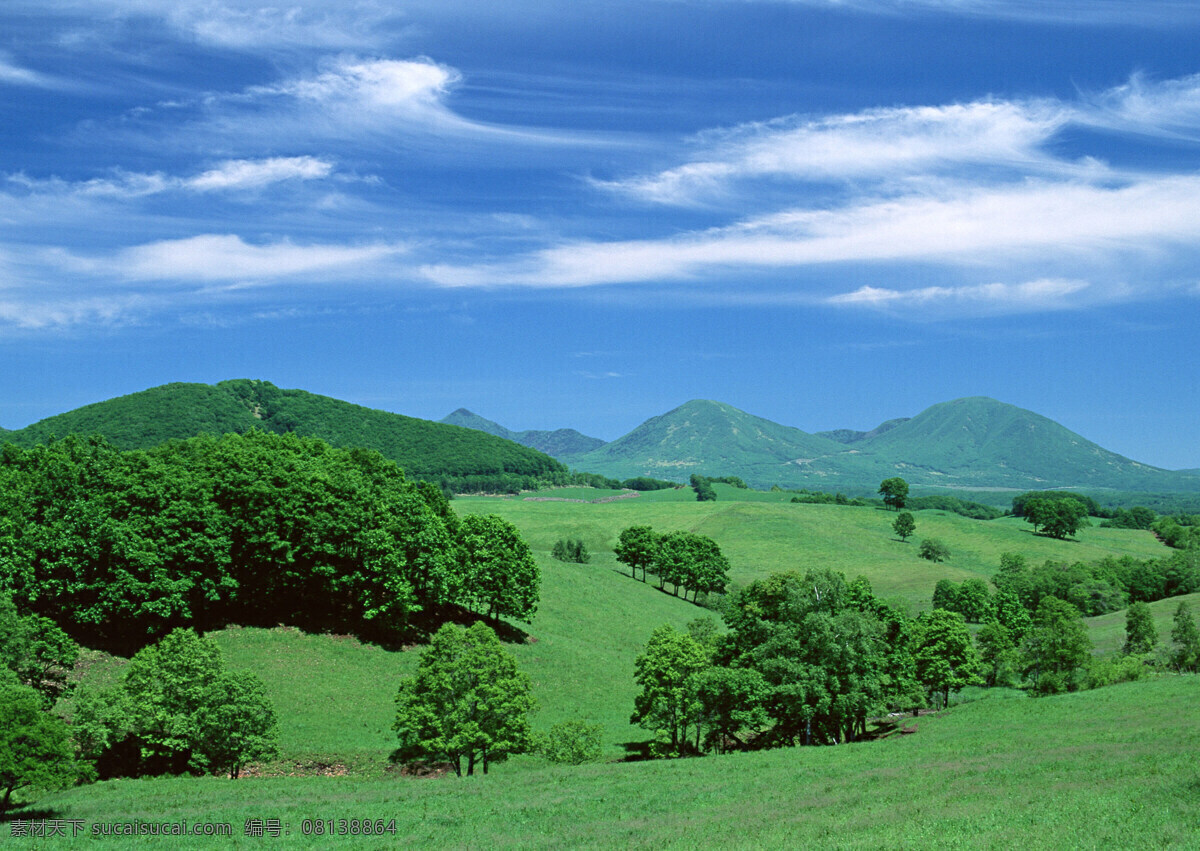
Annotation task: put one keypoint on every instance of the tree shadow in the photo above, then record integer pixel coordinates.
(28, 813)
(637, 751)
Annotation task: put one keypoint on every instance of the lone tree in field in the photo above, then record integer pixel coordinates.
(934, 550)
(35, 748)
(894, 492)
(467, 701)
(904, 526)
(637, 547)
(1140, 634)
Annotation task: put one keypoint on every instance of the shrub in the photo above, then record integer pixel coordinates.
(571, 742)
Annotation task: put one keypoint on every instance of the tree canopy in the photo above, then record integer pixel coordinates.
(894, 492)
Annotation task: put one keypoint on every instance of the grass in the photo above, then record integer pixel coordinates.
(1109, 768)
(769, 534)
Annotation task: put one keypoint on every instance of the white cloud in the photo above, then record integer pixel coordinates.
(1048, 223)
(1166, 107)
(1139, 13)
(254, 174)
(1043, 294)
(876, 143)
(226, 258)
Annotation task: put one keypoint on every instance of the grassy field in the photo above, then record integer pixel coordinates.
(761, 533)
(1113, 768)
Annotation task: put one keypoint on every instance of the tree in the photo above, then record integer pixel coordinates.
(975, 602)
(905, 525)
(36, 650)
(894, 492)
(1056, 647)
(500, 575)
(178, 709)
(636, 547)
(240, 727)
(571, 550)
(35, 747)
(730, 705)
(667, 702)
(466, 701)
(945, 595)
(945, 656)
(997, 654)
(1140, 634)
(934, 550)
(1186, 637)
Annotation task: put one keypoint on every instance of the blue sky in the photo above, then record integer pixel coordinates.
(583, 214)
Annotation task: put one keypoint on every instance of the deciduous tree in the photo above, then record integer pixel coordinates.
(665, 674)
(945, 656)
(1140, 634)
(904, 526)
(894, 492)
(1056, 647)
(467, 701)
(500, 575)
(35, 747)
(636, 547)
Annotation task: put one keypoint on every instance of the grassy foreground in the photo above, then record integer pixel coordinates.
(1109, 768)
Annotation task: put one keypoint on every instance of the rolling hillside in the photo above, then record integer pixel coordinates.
(421, 447)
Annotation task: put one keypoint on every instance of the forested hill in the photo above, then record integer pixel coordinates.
(422, 447)
(562, 443)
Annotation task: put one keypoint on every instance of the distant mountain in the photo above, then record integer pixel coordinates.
(978, 441)
(846, 435)
(563, 443)
(710, 438)
(968, 443)
(421, 447)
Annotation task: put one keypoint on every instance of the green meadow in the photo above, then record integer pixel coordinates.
(1111, 767)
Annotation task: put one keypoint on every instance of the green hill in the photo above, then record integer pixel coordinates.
(965, 444)
(710, 438)
(562, 443)
(978, 441)
(421, 447)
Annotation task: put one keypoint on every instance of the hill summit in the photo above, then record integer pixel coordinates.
(562, 443)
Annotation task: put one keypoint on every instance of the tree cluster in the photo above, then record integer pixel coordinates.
(808, 659)
(256, 528)
(684, 560)
(572, 550)
(894, 492)
(1058, 518)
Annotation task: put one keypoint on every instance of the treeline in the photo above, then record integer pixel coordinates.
(510, 483)
(685, 560)
(1179, 530)
(1097, 588)
(255, 529)
(703, 485)
(953, 504)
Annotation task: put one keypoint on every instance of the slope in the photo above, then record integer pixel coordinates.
(179, 410)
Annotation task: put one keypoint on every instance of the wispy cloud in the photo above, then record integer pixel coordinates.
(877, 143)
(1140, 13)
(226, 258)
(14, 75)
(227, 176)
(1039, 295)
